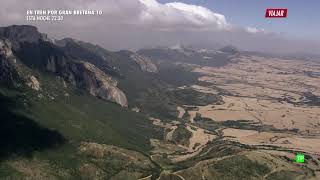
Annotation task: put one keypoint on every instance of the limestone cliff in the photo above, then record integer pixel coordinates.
(87, 76)
(20, 34)
(11, 70)
(23, 49)
(144, 63)
(8, 69)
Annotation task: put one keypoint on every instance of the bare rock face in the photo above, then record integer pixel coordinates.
(135, 109)
(5, 48)
(8, 61)
(87, 76)
(10, 69)
(26, 43)
(33, 83)
(102, 85)
(19, 34)
(145, 63)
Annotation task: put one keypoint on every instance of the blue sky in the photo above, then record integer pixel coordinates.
(303, 16)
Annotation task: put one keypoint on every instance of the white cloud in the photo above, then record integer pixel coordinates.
(176, 15)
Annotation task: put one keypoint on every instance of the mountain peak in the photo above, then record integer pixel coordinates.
(22, 33)
(63, 42)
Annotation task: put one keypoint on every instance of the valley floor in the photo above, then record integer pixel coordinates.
(271, 107)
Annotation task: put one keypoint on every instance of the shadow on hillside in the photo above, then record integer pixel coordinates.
(20, 135)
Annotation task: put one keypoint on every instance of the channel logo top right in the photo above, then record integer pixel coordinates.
(276, 13)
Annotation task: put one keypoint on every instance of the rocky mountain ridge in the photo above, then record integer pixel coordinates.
(17, 34)
(38, 51)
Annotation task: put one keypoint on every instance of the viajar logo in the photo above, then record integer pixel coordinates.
(276, 13)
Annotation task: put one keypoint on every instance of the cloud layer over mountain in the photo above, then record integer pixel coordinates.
(133, 24)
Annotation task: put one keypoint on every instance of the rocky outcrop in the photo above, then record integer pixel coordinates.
(27, 44)
(5, 48)
(8, 62)
(33, 83)
(87, 76)
(11, 71)
(144, 63)
(20, 34)
(101, 85)
(135, 109)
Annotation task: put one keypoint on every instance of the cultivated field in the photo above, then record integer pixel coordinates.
(269, 105)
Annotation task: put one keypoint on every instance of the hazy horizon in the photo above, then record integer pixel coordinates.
(149, 23)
